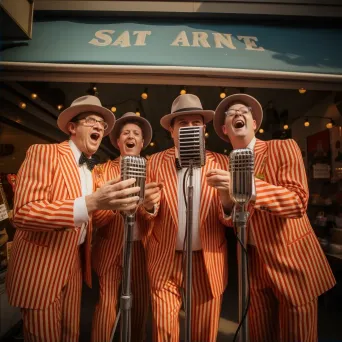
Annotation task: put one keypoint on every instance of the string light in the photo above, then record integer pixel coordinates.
(261, 130)
(206, 134)
(152, 143)
(182, 91)
(223, 93)
(137, 112)
(144, 95)
(302, 90)
(330, 124)
(113, 109)
(60, 107)
(34, 96)
(306, 123)
(22, 105)
(286, 127)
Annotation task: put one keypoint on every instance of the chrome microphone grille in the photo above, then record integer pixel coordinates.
(191, 146)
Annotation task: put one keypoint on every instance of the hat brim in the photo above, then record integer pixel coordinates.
(145, 127)
(220, 112)
(68, 114)
(165, 121)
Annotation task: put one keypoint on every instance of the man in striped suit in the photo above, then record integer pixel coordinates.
(54, 207)
(164, 250)
(287, 267)
(130, 135)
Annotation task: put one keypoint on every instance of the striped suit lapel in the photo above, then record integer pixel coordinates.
(168, 175)
(260, 156)
(69, 170)
(207, 192)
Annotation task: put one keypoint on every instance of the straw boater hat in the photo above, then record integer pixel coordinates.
(184, 105)
(84, 104)
(127, 118)
(220, 112)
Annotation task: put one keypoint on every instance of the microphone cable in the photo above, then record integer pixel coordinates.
(248, 286)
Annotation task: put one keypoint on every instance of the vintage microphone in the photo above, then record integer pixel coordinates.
(191, 148)
(242, 191)
(131, 167)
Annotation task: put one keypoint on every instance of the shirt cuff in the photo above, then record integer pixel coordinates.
(80, 212)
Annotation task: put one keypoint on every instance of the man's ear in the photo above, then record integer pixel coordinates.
(71, 127)
(224, 129)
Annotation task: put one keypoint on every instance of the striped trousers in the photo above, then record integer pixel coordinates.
(61, 320)
(167, 302)
(271, 317)
(106, 309)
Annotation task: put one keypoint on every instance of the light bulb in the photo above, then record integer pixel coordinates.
(223, 95)
(183, 91)
(286, 126)
(261, 130)
(152, 143)
(59, 107)
(306, 123)
(113, 109)
(144, 95)
(225, 150)
(302, 90)
(22, 105)
(329, 125)
(34, 96)
(206, 134)
(137, 113)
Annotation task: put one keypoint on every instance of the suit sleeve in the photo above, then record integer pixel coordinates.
(289, 197)
(33, 209)
(150, 177)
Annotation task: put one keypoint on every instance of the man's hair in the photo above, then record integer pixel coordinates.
(134, 122)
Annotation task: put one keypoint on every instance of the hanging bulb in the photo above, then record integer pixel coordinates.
(330, 124)
(34, 96)
(113, 109)
(206, 134)
(302, 90)
(152, 143)
(22, 105)
(144, 95)
(60, 107)
(223, 93)
(306, 123)
(286, 127)
(137, 112)
(261, 130)
(182, 91)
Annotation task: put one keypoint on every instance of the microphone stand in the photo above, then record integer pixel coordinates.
(126, 295)
(240, 222)
(188, 278)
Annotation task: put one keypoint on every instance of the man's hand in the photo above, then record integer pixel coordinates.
(114, 195)
(152, 195)
(220, 180)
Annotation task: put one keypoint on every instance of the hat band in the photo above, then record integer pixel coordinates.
(187, 109)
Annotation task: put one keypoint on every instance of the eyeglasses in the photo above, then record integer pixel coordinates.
(90, 122)
(244, 110)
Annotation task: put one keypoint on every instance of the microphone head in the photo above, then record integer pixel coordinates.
(241, 167)
(134, 167)
(191, 146)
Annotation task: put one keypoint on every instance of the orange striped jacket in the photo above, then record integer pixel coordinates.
(46, 238)
(283, 235)
(161, 241)
(108, 239)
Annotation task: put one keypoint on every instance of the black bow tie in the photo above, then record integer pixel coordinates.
(178, 165)
(91, 162)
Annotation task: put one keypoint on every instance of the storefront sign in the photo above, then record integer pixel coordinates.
(258, 47)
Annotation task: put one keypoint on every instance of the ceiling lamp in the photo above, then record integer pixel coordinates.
(306, 123)
(182, 91)
(22, 105)
(223, 93)
(34, 96)
(302, 90)
(144, 95)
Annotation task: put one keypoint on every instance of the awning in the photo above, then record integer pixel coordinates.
(221, 50)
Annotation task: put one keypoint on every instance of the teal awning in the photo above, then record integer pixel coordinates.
(234, 46)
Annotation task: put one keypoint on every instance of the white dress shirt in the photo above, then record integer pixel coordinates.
(81, 216)
(196, 238)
